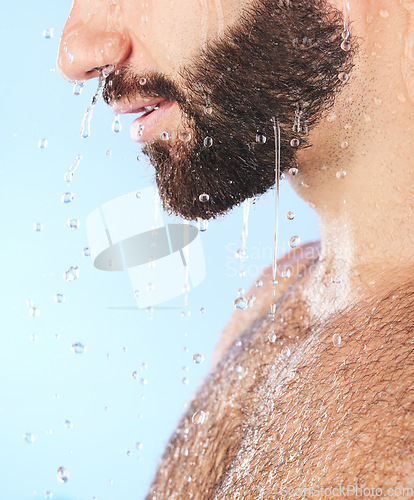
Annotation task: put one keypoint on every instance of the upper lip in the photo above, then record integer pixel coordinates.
(138, 106)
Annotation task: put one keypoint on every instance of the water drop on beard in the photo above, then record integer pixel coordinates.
(204, 197)
(343, 77)
(336, 340)
(261, 138)
(293, 171)
(185, 137)
(294, 143)
(272, 337)
(198, 417)
(285, 352)
(164, 136)
(208, 110)
(345, 46)
(142, 81)
(208, 142)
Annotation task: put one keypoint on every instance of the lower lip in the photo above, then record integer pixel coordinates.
(144, 127)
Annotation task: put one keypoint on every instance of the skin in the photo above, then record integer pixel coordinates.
(325, 414)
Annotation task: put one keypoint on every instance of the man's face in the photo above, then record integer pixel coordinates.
(226, 77)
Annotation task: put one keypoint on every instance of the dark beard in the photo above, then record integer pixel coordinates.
(282, 58)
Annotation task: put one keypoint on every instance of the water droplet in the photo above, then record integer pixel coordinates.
(202, 310)
(336, 339)
(62, 475)
(202, 225)
(78, 348)
(345, 145)
(34, 311)
(331, 117)
(71, 170)
(116, 126)
(139, 446)
(78, 87)
(285, 351)
(68, 424)
(384, 13)
(164, 136)
(336, 279)
(241, 254)
(74, 223)
(134, 375)
(261, 138)
(272, 337)
(128, 453)
(240, 303)
(259, 283)
(345, 46)
(67, 197)
(28, 437)
(34, 337)
(42, 144)
(60, 298)
(108, 152)
(208, 110)
(144, 366)
(198, 417)
(294, 241)
(295, 143)
(198, 358)
(143, 381)
(250, 301)
(144, 19)
(87, 252)
(208, 142)
(341, 174)
(204, 197)
(377, 101)
(48, 33)
(343, 77)
(293, 171)
(290, 216)
(185, 381)
(185, 137)
(48, 494)
(38, 227)
(124, 349)
(286, 273)
(142, 81)
(56, 336)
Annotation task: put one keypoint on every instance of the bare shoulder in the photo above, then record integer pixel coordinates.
(289, 267)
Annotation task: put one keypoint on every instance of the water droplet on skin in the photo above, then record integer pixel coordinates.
(294, 241)
(286, 274)
(384, 13)
(272, 337)
(68, 424)
(377, 101)
(198, 358)
(294, 143)
(345, 46)
(261, 138)
(38, 227)
(259, 283)
(142, 81)
(78, 87)
(293, 171)
(198, 417)
(87, 252)
(240, 303)
(78, 348)
(67, 197)
(336, 279)
(62, 475)
(28, 437)
(164, 136)
(42, 144)
(345, 145)
(208, 142)
(204, 197)
(185, 137)
(74, 223)
(48, 33)
(285, 351)
(336, 340)
(208, 110)
(116, 126)
(60, 298)
(341, 174)
(331, 117)
(343, 77)
(290, 216)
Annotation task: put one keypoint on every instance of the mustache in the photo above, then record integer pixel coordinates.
(124, 83)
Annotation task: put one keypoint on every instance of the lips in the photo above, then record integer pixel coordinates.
(150, 115)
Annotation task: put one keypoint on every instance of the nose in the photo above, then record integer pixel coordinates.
(91, 38)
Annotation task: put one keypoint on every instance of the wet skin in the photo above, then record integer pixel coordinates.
(325, 414)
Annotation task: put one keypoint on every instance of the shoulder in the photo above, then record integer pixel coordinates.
(288, 270)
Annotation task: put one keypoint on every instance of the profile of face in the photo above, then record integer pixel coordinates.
(214, 83)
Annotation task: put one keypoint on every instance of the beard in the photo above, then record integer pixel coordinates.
(281, 62)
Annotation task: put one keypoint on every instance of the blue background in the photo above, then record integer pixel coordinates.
(109, 410)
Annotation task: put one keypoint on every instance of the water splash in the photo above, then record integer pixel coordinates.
(86, 122)
(71, 170)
